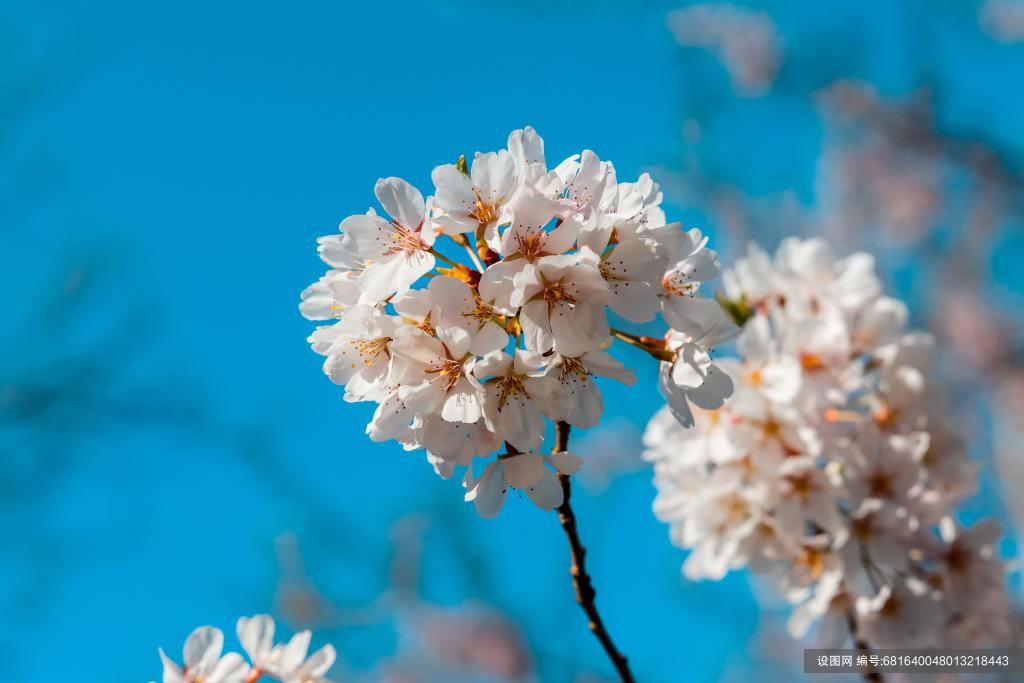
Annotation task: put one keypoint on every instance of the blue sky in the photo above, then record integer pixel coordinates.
(186, 157)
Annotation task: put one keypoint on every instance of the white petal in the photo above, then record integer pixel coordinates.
(230, 669)
(490, 337)
(524, 470)
(172, 672)
(566, 463)
(203, 647)
(318, 663)
(489, 491)
(393, 273)
(494, 363)
(546, 493)
(402, 201)
(292, 654)
(256, 634)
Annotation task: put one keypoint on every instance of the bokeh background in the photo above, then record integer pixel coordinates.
(170, 453)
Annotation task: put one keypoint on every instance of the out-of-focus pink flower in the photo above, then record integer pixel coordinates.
(746, 42)
(476, 639)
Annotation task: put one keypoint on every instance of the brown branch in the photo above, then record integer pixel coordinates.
(585, 592)
(861, 645)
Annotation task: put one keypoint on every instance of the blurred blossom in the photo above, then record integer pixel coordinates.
(880, 168)
(745, 41)
(608, 451)
(477, 639)
(1008, 435)
(473, 641)
(834, 468)
(975, 331)
(1003, 20)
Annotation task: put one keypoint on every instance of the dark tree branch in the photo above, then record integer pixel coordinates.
(585, 592)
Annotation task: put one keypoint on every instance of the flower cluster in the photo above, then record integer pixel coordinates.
(286, 662)
(478, 359)
(832, 468)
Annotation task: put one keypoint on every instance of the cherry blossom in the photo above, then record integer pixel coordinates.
(468, 359)
(832, 468)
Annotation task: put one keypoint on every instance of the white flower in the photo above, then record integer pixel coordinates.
(203, 660)
(693, 378)
(833, 466)
(526, 472)
(435, 376)
(358, 350)
(524, 242)
(691, 263)
(521, 392)
(456, 442)
(287, 662)
(631, 270)
(775, 374)
(901, 615)
(582, 405)
(562, 299)
(480, 199)
(461, 307)
(330, 296)
(461, 358)
(396, 252)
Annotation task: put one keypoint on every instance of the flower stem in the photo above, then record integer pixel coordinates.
(652, 345)
(585, 593)
(442, 257)
(461, 239)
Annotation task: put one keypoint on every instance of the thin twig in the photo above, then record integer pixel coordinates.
(652, 345)
(585, 593)
(442, 257)
(861, 645)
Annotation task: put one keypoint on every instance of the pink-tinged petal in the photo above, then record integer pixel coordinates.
(493, 174)
(366, 235)
(489, 491)
(604, 364)
(402, 201)
(524, 470)
(456, 340)
(339, 251)
(392, 274)
(520, 422)
(716, 388)
(494, 363)
(463, 404)
(536, 327)
(496, 284)
(635, 301)
(390, 420)
(526, 147)
(491, 337)
(566, 463)
(546, 493)
(426, 398)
